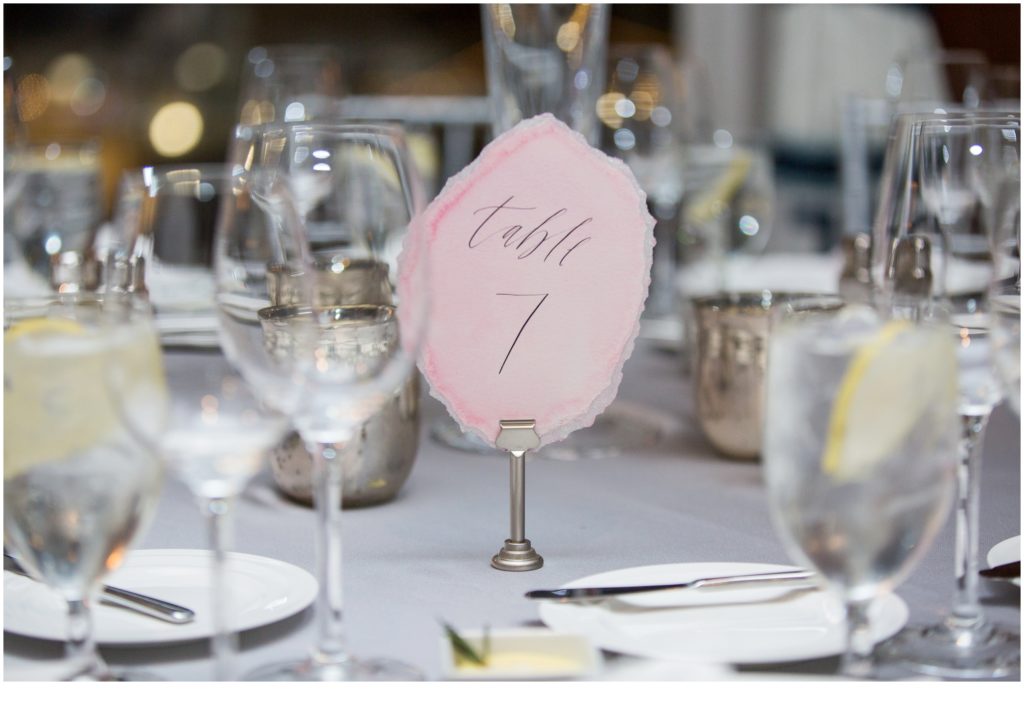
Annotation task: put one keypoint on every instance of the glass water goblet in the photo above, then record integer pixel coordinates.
(307, 195)
(84, 404)
(859, 451)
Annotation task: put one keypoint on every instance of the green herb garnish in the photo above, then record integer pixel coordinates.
(464, 651)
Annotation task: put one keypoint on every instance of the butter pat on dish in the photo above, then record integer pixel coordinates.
(522, 653)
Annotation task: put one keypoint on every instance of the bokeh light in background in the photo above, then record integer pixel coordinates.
(103, 71)
(65, 73)
(201, 66)
(88, 97)
(176, 129)
(33, 97)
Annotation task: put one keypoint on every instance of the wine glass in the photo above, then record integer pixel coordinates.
(955, 165)
(859, 450)
(910, 256)
(290, 83)
(545, 58)
(323, 194)
(640, 112)
(84, 404)
(285, 83)
(52, 196)
(218, 432)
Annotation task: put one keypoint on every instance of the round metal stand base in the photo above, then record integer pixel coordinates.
(517, 556)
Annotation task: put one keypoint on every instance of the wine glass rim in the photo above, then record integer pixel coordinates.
(763, 299)
(338, 128)
(980, 117)
(15, 308)
(196, 171)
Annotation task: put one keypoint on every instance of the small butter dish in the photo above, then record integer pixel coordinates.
(522, 653)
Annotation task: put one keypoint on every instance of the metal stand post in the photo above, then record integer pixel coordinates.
(517, 555)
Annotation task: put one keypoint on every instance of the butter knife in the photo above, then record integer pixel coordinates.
(584, 593)
(122, 598)
(1008, 570)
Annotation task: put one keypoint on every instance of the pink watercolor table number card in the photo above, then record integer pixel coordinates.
(539, 255)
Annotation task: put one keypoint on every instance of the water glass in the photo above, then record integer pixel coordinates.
(85, 403)
(859, 451)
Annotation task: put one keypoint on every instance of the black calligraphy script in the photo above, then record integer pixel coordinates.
(504, 221)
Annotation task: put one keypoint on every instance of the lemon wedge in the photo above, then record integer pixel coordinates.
(41, 326)
(58, 399)
(887, 388)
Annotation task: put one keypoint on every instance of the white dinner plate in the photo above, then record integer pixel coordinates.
(737, 625)
(1006, 551)
(259, 591)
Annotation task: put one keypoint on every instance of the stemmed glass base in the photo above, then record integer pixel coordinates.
(346, 670)
(955, 651)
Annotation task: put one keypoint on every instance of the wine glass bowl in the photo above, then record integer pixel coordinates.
(290, 83)
(545, 59)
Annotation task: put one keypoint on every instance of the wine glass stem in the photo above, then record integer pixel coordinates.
(81, 645)
(966, 612)
(327, 481)
(856, 660)
(223, 643)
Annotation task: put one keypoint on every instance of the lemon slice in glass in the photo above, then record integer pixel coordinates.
(58, 395)
(889, 385)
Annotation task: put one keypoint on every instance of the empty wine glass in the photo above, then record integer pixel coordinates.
(290, 83)
(640, 112)
(52, 208)
(859, 451)
(910, 249)
(321, 193)
(84, 404)
(956, 166)
(545, 58)
(218, 432)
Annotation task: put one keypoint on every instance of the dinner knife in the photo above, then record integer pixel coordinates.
(1008, 570)
(584, 593)
(122, 598)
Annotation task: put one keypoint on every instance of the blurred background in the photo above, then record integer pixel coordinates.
(159, 83)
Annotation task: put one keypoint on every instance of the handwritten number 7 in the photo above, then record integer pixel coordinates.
(523, 327)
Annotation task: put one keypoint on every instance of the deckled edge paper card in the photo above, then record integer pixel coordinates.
(539, 255)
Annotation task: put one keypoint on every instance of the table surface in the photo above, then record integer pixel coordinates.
(425, 556)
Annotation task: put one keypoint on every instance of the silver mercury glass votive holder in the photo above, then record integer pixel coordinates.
(733, 331)
(379, 458)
